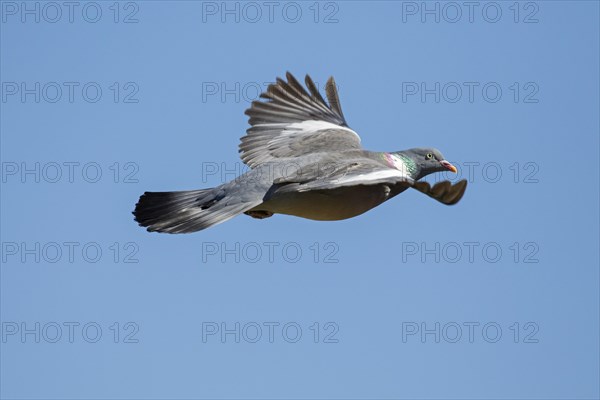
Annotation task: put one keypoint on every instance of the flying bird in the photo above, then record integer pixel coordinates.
(304, 161)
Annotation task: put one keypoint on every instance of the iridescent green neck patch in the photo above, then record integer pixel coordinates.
(411, 166)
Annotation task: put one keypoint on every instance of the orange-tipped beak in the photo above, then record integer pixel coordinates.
(448, 166)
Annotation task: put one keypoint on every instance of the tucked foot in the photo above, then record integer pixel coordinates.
(260, 214)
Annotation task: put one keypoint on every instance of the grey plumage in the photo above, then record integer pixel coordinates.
(289, 103)
(305, 161)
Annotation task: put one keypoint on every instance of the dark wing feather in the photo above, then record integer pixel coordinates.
(314, 92)
(332, 96)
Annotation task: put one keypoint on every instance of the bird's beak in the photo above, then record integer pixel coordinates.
(449, 166)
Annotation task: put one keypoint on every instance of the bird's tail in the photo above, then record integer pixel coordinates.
(187, 211)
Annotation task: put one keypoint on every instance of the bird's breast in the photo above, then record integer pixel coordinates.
(330, 205)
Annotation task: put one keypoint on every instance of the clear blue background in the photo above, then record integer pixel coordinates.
(371, 291)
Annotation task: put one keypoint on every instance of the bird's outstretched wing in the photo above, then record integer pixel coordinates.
(325, 176)
(293, 122)
(444, 192)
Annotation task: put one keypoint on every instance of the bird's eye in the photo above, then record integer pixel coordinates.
(429, 156)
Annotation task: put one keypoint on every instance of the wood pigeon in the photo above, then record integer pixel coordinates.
(305, 161)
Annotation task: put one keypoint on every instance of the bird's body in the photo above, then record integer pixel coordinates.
(305, 162)
(335, 203)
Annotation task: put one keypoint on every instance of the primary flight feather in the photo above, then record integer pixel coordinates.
(305, 161)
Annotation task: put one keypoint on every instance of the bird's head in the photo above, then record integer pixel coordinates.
(428, 161)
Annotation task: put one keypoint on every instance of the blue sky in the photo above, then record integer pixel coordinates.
(496, 297)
